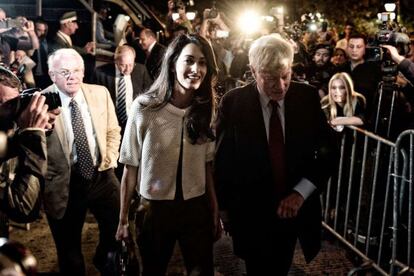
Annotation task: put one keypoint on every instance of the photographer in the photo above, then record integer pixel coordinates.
(404, 65)
(177, 7)
(22, 154)
(20, 37)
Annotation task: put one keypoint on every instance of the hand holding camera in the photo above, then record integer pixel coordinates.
(395, 56)
(37, 115)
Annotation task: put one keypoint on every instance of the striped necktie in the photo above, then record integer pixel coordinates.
(121, 101)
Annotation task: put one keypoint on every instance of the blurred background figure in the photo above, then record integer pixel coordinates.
(154, 52)
(104, 38)
(16, 259)
(22, 67)
(39, 56)
(339, 57)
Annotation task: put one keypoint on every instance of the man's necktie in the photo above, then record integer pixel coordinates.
(277, 151)
(121, 101)
(85, 163)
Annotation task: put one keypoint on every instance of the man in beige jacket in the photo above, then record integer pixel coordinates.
(82, 152)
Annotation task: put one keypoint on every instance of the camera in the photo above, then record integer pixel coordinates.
(10, 110)
(391, 35)
(213, 13)
(178, 5)
(12, 23)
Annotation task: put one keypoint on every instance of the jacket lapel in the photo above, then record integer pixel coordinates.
(60, 132)
(97, 114)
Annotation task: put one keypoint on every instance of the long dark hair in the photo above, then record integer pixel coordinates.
(203, 104)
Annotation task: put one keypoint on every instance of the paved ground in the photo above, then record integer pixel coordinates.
(330, 261)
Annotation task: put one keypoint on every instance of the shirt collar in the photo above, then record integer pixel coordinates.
(151, 46)
(79, 98)
(265, 99)
(65, 36)
(118, 73)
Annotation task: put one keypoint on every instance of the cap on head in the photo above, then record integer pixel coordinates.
(68, 17)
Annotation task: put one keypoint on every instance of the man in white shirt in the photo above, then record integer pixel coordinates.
(82, 155)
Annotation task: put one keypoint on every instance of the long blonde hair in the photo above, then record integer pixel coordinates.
(351, 97)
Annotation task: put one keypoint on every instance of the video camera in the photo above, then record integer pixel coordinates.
(12, 109)
(213, 11)
(390, 35)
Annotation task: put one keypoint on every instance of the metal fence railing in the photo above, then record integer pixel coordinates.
(368, 203)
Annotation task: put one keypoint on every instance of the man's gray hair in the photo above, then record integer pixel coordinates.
(58, 54)
(271, 53)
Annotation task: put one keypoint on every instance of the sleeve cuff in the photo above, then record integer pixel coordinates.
(305, 188)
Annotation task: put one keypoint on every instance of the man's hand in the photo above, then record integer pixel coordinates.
(36, 114)
(28, 26)
(290, 205)
(396, 57)
(90, 47)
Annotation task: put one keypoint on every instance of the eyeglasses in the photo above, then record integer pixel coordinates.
(67, 73)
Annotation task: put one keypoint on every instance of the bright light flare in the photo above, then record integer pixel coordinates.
(313, 27)
(268, 18)
(190, 15)
(390, 7)
(249, 22)
(175, 16)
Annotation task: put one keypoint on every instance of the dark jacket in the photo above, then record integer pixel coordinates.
(154, 60)
(105, 75)
(244, 176)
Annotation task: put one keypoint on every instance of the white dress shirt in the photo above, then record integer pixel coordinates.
(304, 187)
(87, 121)
(129, 89)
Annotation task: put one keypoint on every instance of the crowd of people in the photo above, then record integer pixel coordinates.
(209, 134)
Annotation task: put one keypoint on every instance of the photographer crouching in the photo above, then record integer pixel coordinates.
(22, 150)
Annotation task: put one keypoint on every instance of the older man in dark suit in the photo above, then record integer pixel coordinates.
(125, 80)
(82, 152)
(275, 153)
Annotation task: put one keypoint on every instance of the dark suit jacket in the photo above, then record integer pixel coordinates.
(154, 60)
(105, 75)
(58, 43)
(244, 177)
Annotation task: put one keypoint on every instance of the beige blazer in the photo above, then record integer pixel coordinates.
(108, 137)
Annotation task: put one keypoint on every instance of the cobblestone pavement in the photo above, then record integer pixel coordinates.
(330, 261)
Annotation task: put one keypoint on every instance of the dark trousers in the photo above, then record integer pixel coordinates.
(101, 197)
(272, 252)
(166, 221)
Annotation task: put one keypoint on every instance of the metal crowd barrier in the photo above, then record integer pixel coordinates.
(367, 206)
(402, 254)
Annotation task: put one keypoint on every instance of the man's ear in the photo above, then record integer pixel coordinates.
(52, 76)
(253, 71)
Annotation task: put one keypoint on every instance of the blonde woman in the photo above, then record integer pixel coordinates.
(343, 106)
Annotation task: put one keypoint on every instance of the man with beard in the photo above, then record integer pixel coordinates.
(321, 68)
(39, 56)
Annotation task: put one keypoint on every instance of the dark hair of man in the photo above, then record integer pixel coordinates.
(40, 20)
(149, 32)
(356, 35)
(325, 46)
(203, 105)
